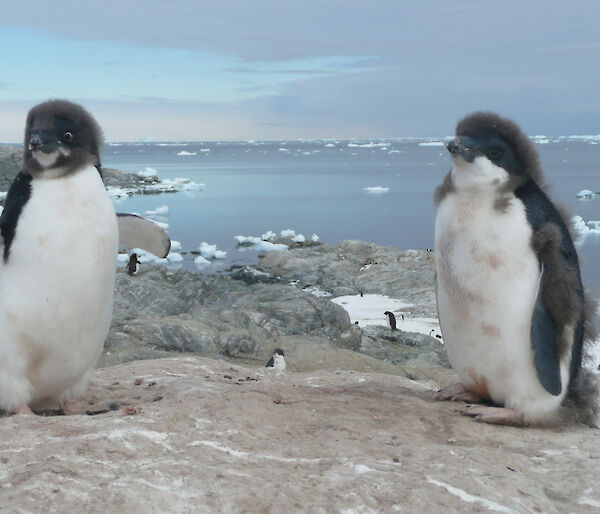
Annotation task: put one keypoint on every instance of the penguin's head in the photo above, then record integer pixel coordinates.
(60, 137)
(133, 256)
(490, 150)
(278, 351)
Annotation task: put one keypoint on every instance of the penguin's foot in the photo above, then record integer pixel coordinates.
(24, 409)
(71, 407)
(494, 415)
(457, 393)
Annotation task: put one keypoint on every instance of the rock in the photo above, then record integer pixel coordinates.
(11, 161)
(351, 267)
(159, 311)
(398, 347)
(199, 434)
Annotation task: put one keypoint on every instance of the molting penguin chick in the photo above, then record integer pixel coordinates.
(133, 266)
(391, 319)
(504, 252)
(277, 360)
(58, 218)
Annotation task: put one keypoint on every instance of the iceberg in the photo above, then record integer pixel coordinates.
(376, 189)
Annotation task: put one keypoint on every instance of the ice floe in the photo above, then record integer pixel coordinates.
(163, 210)
(432, 143)
(184, 152)
(376, 189)
(209, 251)
(585, 229)
(585, 193)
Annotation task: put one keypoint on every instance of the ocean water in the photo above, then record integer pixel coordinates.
(319, 187)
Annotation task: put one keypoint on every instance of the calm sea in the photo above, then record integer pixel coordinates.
(319, 187)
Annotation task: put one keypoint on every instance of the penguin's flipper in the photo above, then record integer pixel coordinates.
(545, 349)
(137, 232)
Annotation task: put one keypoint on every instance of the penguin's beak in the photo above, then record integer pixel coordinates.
(462, 146)
(41, 140)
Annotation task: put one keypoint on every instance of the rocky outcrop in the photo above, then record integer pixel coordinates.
(351, 267)
(11, 161)
(192, 434)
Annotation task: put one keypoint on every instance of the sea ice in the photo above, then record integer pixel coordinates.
(268, 235)
(209, 251)
(183, 152)
(431, 143)
(164, 226)
(163, 210)
(583, 229)
(585, 193)
(148, 174)
(376, 189)
(247, 240)
(201, 261)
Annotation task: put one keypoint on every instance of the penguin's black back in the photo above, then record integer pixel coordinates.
(18, 195)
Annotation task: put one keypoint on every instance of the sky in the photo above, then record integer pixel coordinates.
(287, 69)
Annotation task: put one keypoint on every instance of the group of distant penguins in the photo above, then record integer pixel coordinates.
(501, 246)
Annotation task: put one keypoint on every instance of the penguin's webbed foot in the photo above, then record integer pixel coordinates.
(494, 415)
(24, 409)
(457, 393)
(71, 407)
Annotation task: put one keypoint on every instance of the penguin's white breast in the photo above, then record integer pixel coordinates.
(487, 280)
(58, 282)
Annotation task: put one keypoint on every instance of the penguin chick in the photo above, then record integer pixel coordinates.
(133, 266)
(277, 360)
(58, 217)
(391, 319)
(503, 247)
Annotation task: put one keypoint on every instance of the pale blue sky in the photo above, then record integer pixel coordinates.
(334, 69)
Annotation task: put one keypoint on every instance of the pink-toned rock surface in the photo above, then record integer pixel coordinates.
(203, 435)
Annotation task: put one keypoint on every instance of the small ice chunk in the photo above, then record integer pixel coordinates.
(299, 238)
(164, 226)
(287, 233)
(176, 246)
(268, 235)
(122, 258)
(163, 210)
(585, 193)
(314, 238)
(376, 189)
(148, 174)
(209, 251)
(201, 261)
(247, 240)
(431, 143)
(583, 229)
(174, 257)
(283, 150)
(183, 152)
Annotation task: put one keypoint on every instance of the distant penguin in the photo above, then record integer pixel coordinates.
(133, 266)
(277, 360)
(391, 319)
(504, 252)
(58, 218)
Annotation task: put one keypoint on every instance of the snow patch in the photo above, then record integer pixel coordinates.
(369, 309)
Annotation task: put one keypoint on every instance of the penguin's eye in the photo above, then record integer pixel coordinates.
(494, 153)
(67, 137)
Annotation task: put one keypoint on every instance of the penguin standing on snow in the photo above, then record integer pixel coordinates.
(503, 248)
(277, 360)
(58, 217)
(391, 319)
(133, 266)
